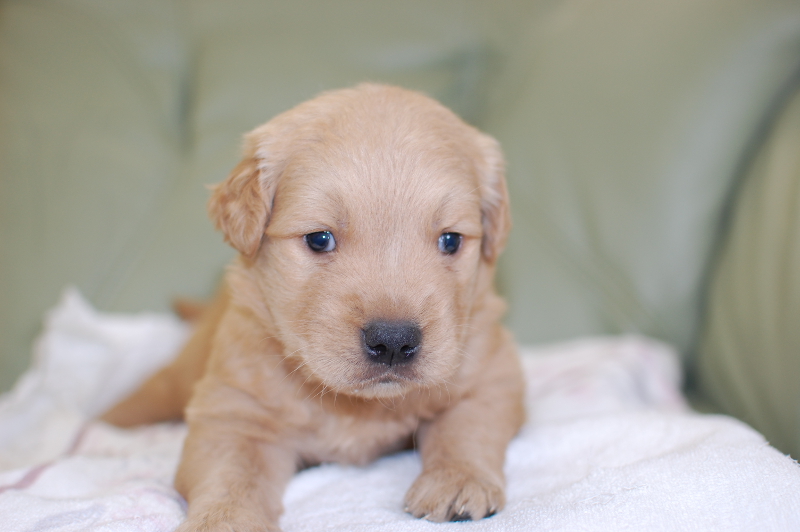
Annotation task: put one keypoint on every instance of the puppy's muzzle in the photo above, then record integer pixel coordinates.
(392, 342)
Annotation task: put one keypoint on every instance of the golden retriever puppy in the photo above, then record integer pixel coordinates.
(359, 319)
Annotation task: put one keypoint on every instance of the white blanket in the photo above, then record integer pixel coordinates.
(609, 445)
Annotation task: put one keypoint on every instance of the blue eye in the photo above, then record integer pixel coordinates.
(449, 243)
(320, 242)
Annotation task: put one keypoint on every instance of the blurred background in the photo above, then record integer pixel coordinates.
(653, 159)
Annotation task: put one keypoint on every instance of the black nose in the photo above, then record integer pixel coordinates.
(392, 342)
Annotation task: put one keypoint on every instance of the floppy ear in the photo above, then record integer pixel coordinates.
(240, 205)
(495, 212)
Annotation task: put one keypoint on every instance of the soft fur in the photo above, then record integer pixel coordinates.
(277, 377)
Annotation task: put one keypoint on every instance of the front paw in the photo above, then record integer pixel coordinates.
(227, 518)
(454, 494)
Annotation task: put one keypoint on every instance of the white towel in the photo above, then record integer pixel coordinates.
(609, 445)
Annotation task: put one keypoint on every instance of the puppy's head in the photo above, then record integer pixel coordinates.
(369, 220)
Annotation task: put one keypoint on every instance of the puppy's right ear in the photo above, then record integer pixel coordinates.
(495, 212)
(240, 205)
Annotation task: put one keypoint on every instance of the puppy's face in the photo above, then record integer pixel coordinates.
(372, 218)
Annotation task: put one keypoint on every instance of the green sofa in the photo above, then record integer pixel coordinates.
(653, 159)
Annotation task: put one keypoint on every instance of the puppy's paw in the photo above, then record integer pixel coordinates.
(223, 518)
(454, 494)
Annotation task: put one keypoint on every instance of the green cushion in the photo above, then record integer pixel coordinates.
(625, 123)
(749, 357)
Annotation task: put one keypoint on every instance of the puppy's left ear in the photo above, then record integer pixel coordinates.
(495, 211)
(240, 206)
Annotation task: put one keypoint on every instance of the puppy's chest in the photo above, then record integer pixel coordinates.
(355, 437)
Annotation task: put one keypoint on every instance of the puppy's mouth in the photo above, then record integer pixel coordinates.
(386, 382)
(390, 375)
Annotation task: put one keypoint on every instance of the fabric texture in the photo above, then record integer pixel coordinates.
(609, 444)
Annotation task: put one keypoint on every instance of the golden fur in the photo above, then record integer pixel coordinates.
(286, 381)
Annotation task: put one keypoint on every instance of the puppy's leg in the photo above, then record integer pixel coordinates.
(463, 450)
(237, 457)
(164, 396)
(231, 480)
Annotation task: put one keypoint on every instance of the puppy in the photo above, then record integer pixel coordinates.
(359, 318)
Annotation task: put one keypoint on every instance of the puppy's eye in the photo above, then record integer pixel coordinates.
(449, 243)
(321, 241)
